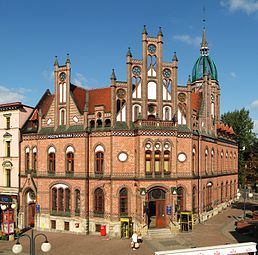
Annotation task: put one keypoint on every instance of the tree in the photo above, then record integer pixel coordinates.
(244, 136)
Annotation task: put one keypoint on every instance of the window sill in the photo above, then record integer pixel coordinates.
(60, 213)
(98, 214)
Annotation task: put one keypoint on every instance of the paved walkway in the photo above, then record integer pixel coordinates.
(216, 231)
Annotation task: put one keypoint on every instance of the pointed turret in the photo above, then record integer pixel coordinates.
(113, 75)
(144, 30)
(129, 53)
(160, 32)
(174, 57)
(68, 59)
(56, 61)
(204, 44)
(189, 79)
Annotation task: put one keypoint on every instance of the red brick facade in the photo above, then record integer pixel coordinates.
(144, 149)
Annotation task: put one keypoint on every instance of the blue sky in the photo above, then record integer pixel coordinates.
(97, 34)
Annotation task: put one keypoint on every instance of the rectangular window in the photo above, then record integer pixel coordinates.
(53, 224)
(8, 148)
(8, 122)
(8, 177)
(66, 226)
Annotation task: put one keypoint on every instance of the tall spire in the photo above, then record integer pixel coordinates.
(204, 44)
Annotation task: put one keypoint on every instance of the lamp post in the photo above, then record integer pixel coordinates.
(45, 247)
(246, 194)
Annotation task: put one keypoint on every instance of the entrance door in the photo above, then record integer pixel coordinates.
(160, 214)
(31, 214)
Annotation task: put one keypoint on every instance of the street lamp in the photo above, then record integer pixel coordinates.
(45, 247)
(245, 194)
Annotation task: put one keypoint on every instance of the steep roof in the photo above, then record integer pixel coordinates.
(98, 97)
(196, 101)
(79, 96)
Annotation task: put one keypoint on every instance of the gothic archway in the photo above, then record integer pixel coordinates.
(156, 212)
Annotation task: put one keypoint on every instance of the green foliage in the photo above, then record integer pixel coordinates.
(244, 136)
(243, 127)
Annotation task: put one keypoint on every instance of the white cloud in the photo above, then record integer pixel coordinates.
(254, 104)
(247, 6)
(48, 75)
(233, 75)
(8, 95)
(195, 41)
(255, 129)
(80, 80)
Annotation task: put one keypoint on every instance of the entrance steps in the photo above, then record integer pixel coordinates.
(160, 233)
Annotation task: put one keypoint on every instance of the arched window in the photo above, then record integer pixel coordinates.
(27, 159)
(167, 113)
(222, 192)
(107, 123)
(194, 200)
(206, 160)
(123, 202)
(180, 199)
(221, 161)
(60, 199)
(209, 196)
(148, 161)
(70, 162)
(99, 202)
(77, 200)
(54, 199)
(230, 190)
(226, 195)
(166, 161)
(136, 112)
(92, 124)
(194, 160)
(99, 168)
(99, 123)
(67, 200)
(62, 116)
(157, 161)
(212, 160)
(34, 159)
(51, 162)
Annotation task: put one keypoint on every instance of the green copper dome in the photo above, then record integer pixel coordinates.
(204, 65)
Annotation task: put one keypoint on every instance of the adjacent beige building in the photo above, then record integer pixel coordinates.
(12, 118)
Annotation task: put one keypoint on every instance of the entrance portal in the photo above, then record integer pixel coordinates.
(156, 208)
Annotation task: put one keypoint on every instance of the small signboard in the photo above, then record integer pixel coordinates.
(37, 208)
(169, 209)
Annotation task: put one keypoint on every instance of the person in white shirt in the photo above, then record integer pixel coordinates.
(134, 243)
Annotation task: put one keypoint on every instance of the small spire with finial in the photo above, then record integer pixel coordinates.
(144, 30)
(68, 58)
(56, 61)
(174, 57)
(129, 53)
(160, 32)
(189, 79)
(113, 75)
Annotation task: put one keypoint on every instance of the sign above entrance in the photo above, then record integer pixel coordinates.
(169, 209)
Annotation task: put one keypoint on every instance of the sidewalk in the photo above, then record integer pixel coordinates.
(216, 231)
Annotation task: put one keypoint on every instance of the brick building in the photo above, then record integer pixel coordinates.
(142, 150)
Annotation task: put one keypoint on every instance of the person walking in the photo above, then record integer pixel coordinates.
(134, 243)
